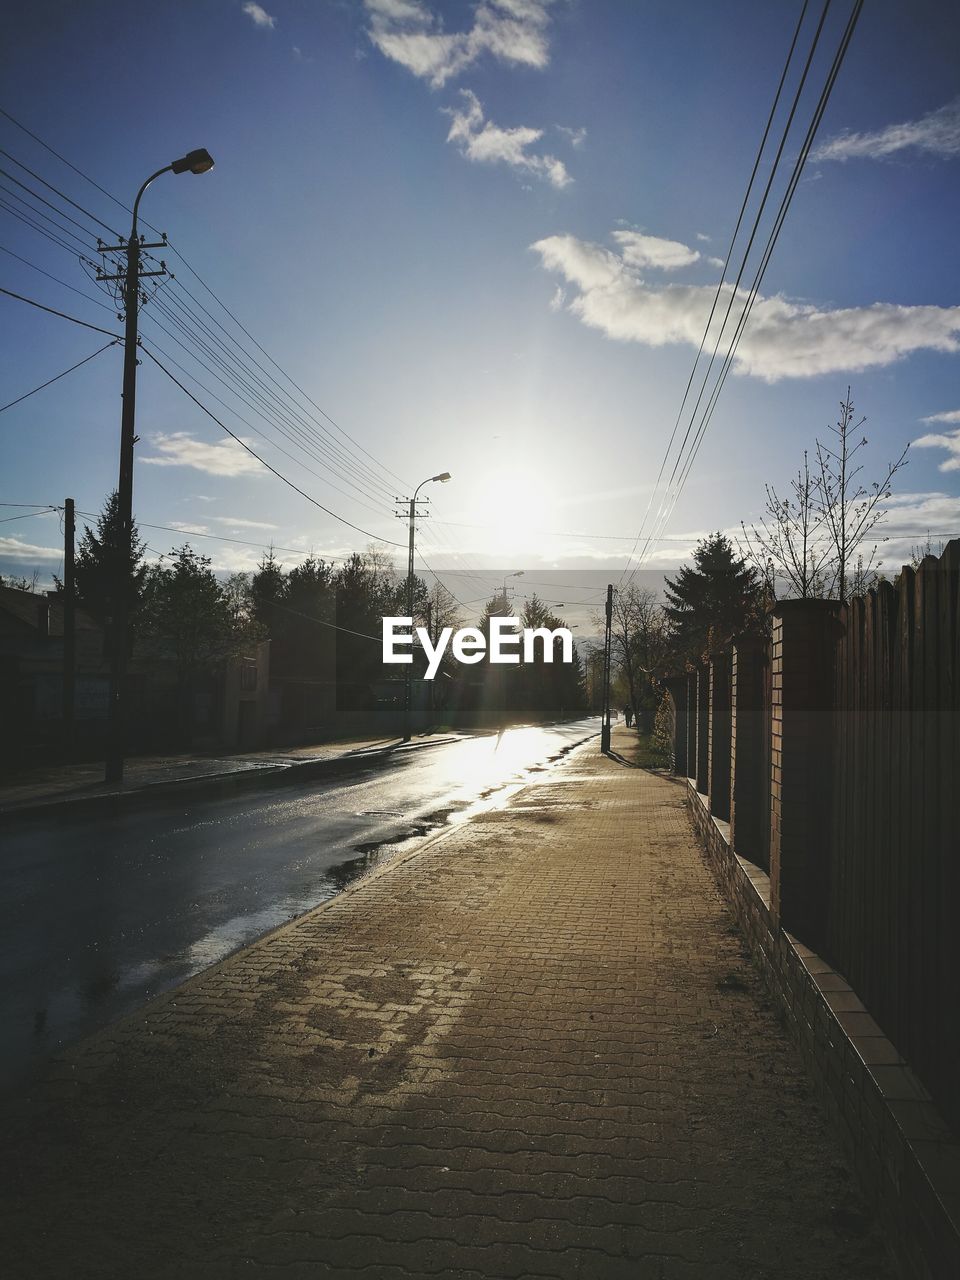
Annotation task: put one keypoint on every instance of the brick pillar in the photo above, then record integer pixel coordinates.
(748, 807)
(803, 651)
(676, 687)
(703, 729)
(719, 736)
(691, 724)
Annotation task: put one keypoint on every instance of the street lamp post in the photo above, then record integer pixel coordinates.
(442, 478)
(199, 161)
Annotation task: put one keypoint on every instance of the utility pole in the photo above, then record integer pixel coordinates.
(69, 622)
(607, 648)
(443, 477)
(120, 605)
(199, 161)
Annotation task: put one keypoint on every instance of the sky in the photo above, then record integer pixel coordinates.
(483, 238)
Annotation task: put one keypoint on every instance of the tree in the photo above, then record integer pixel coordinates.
(187, 621)
(712, 601)
(367, 590)
(638, 640)
(815, 543)
(789, 543)
(851, 511)
(549, 690)
(268, 587)
(23, 583)
(105, 565)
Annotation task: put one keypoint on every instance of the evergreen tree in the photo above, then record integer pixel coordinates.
(106, 563)
(268, 587)
(712, 601)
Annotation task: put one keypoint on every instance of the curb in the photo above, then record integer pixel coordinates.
(213, 785)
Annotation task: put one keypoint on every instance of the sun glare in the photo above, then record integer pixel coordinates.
(514, 506)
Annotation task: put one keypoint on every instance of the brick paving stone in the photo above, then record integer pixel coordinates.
(532, 1048)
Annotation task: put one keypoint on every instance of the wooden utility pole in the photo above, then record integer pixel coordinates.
(69, 622)
(607, 648)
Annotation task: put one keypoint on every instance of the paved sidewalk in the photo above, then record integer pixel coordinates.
(532, 1048)
(63, 783)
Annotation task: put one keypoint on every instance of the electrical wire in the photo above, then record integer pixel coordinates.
(63, 196)
(723, 273)
(255, 401)
(351, 443)
(243, 445)
(683, 464)
(50, 381)
(62, 314)
(247, 423)
(56, 279)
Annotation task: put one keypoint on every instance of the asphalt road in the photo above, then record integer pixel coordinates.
(99, 915)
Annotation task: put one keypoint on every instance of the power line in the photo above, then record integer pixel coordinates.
(62, 314)
(683, 464)
(246, 422)
(249, 395)
(57, 378)
(262, 461)
(309, 421)
(720, 285)
(56, 279)
(28, 222)
(774, 235)
(723, 273)
(25, 516)
(354, 445)
(243, 542)
(40, 200)
(50, 187)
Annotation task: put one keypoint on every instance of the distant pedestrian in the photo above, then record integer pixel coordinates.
(628, 716)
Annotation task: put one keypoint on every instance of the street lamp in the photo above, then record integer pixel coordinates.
(199, 161)
(442, 478)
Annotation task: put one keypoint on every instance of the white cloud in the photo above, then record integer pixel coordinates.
(952, 415)
(703, 238)
(179, 449)
(408, 32)
(239, 522)
(576, 137)
(259, 15)
(17, 549)
(651, 251)
(782, 339)
(937, 133)
(186, 527)
(484, 142)
(912, 516)
(949, 441)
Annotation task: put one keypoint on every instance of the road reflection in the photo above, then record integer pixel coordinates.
(99, 916)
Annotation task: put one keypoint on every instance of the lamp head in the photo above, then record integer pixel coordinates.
(199, 161)
(443, 477)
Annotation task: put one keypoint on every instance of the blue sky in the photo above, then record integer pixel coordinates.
(484, 237)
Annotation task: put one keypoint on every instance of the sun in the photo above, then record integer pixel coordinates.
(513, 504)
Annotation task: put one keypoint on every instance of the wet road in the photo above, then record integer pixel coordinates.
(99, 915)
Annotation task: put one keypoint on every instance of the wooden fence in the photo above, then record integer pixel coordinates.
(833, 750)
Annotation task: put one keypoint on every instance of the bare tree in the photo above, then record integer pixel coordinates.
(850, 510)
(638, 645)
(788, 541)
(816, 542)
